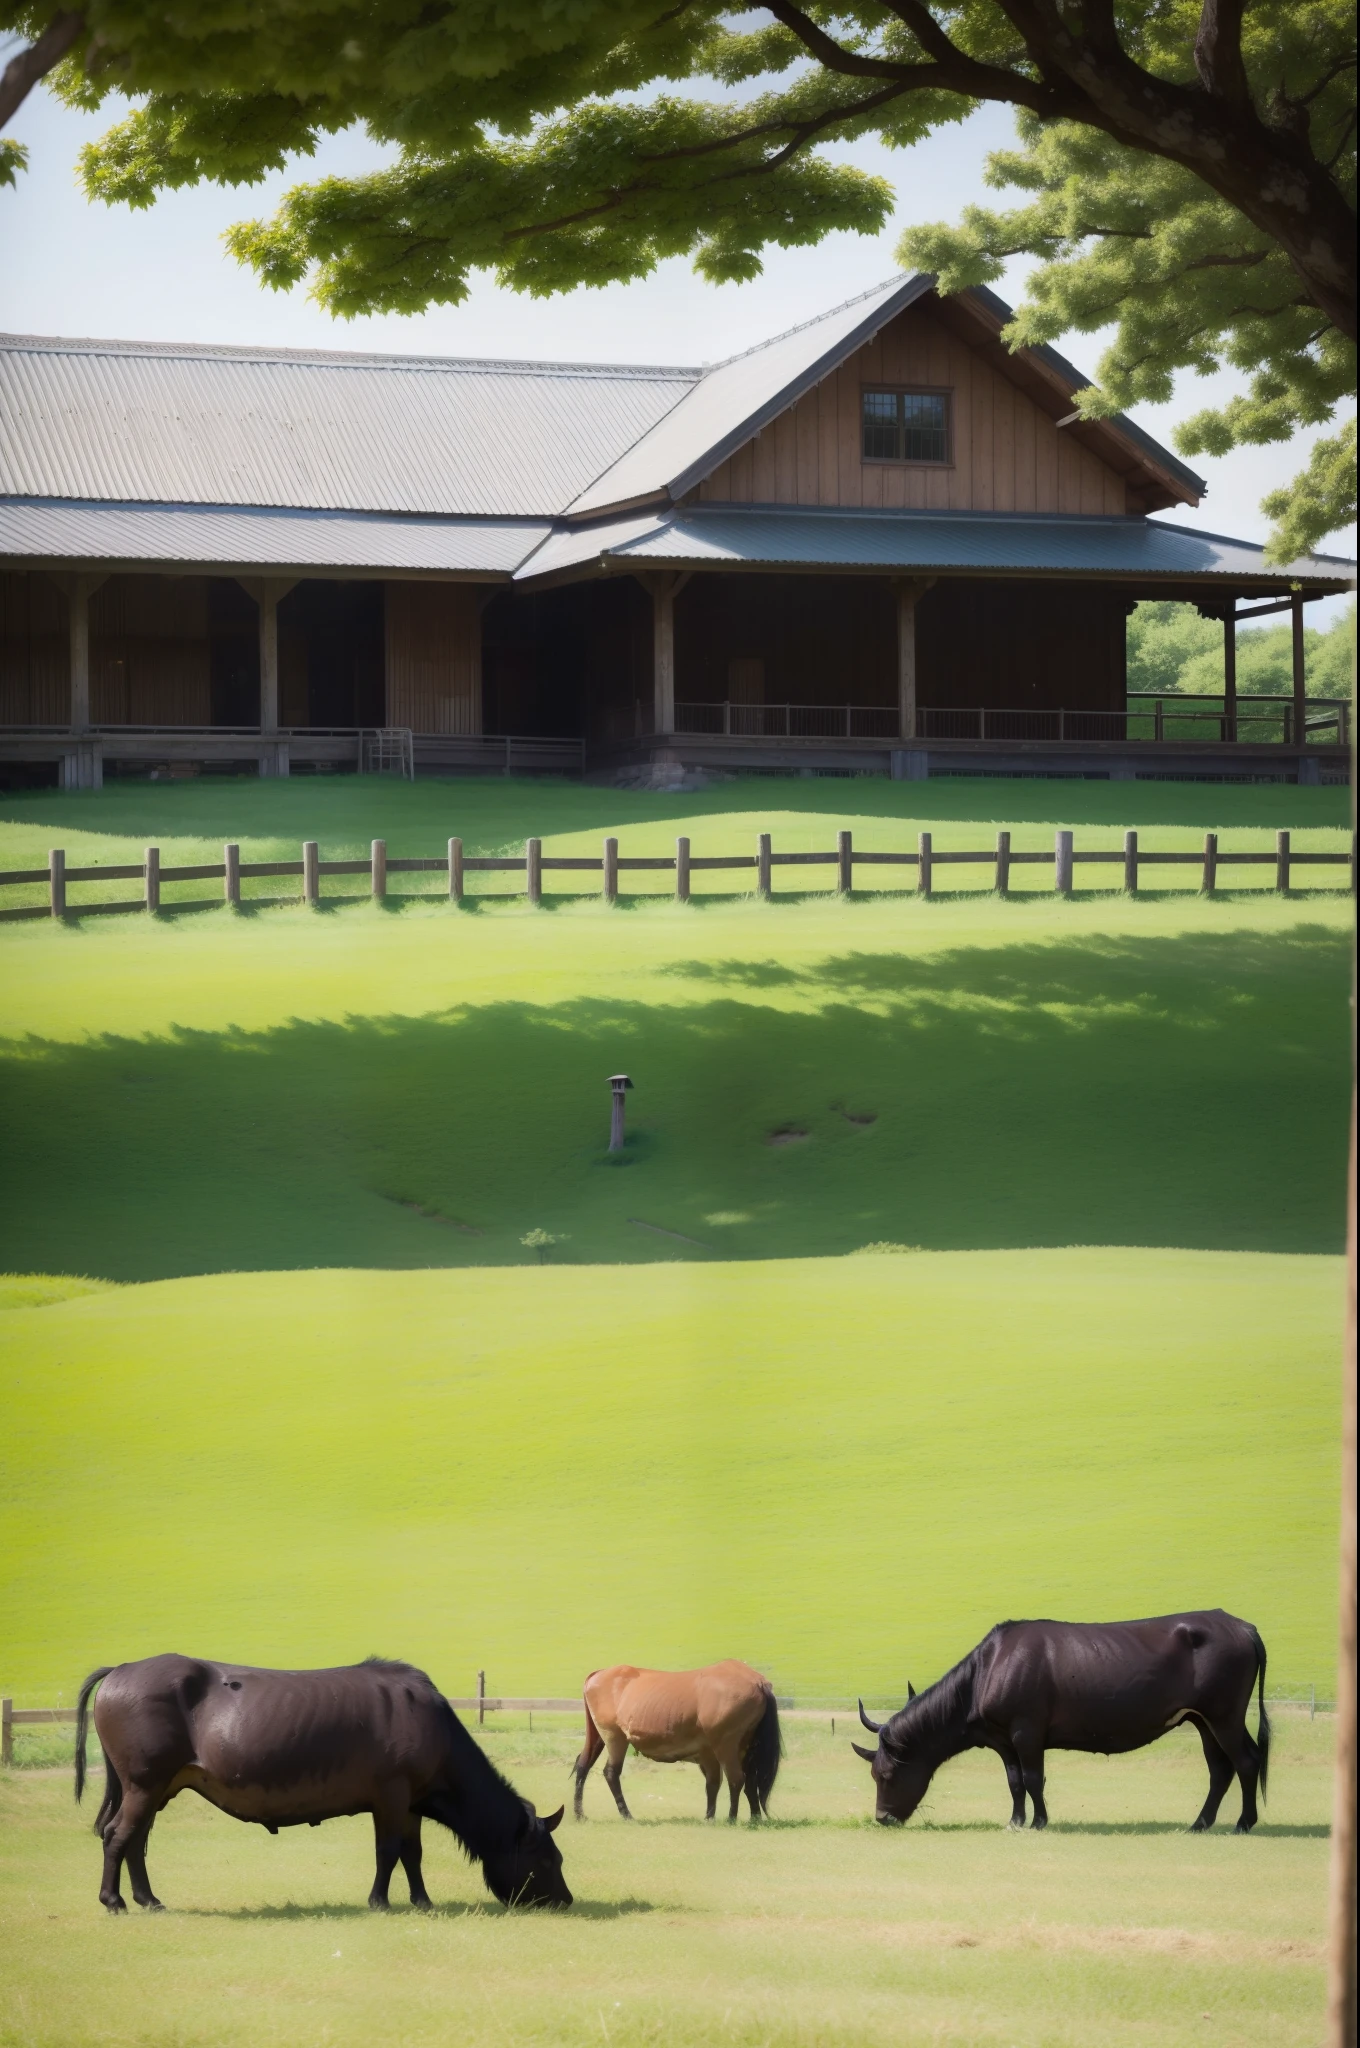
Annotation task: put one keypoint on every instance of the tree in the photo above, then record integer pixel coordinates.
(1173, 650)
(1193, 160)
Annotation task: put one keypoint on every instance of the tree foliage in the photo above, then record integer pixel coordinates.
(1173, 650)
(1190, 163)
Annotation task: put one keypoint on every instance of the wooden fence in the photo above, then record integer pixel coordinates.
(533, 864)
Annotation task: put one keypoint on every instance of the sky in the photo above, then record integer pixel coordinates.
(72, 267)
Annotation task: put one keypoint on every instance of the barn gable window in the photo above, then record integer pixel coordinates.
(906, 426)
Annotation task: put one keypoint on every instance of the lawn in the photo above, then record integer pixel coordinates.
(818, 1931)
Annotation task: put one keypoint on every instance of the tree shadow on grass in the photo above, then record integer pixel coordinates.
(1184, 1091)
(454, 1909)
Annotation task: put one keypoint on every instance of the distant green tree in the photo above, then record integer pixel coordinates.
(1172, 649)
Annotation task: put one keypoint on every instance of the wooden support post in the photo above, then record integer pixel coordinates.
(379, 868)
(1062, 864)
(231, 880)
(682, 871)
(6, 1731)
(1282, 863)
(1209, 881)
(153, 879)
(1130, 863)
(1003, 863)
(56, 880)
(481, 1697)
(1230, 672)
(78, 605)
(909, 592)
(1300, 692)
(923, 875)
(269, 593)
(763, 869)
(664, 589)
(620, 1084)
(533, 870)
(845, 864)
(311, 872)
(611, 871)
(455, 871)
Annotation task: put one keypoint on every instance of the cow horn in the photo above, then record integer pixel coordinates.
(874, 1727)
(911, 1690)
(550, 1820)
(860, 1750)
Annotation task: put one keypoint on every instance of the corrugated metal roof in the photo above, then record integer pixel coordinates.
(978, 543)
(127, 421)
(34, 531)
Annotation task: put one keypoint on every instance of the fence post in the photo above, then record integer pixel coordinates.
(311, 872)
(481, 1697)
(379, 883)
(455, 870)
(153, 878)
(611, 871)
(1282, 862)
(1210, 880)
(6, 1731)
(1062, 864)
(682, 871)
(845, 864)
(763, 866)
(1003, 863)
(56, 880)
(231, 876)
(1130, 863)
(923, 874)
(533, 870)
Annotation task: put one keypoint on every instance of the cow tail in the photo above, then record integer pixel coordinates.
(764, 1751)
(82, 1727)
(1262, 1721)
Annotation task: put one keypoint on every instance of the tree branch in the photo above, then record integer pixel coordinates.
(32, 65)
(1218, 52)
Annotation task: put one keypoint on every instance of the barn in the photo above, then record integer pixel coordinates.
(879, 543)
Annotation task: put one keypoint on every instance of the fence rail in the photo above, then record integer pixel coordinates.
(533, 864)
(1146, 716)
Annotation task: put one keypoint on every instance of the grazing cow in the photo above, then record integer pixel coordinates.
(288, 1747)
(1108, 1687)
(723, 1718)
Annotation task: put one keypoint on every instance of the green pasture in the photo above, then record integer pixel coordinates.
(818, 1930)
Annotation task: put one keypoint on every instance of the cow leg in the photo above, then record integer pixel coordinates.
(1015, 1778)
(125, 1836)
(1244, 1758)
(1030, 1752)
(135, 1858)
(735, 1779)
(1220, 1777)
(712, 1771)
(585, 1763)
(613, 1770)
(391, 1818)
(410, 1862)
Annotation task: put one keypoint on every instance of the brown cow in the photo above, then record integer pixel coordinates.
(723, 1718)
(286, 1748)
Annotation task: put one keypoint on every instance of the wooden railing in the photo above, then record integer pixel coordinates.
(533, 864)
(1147, 715)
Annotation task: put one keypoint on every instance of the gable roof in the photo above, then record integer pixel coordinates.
(181, 424)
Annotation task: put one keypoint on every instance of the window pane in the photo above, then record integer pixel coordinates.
(926, 426)
(882, 433)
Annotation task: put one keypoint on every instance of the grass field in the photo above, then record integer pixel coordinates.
(316, 1395)
(820, 1931)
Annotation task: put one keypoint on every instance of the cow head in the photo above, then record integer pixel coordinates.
(902, 1771)
(529, 1873)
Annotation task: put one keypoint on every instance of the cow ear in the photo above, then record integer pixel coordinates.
(551, 1820)
(911, 1690)
(867, 1754)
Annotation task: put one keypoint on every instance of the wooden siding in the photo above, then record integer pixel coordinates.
(1009, 456)
(786, 640)
(434, 656)
(149, 656)
(1014, 645)
(35, 651)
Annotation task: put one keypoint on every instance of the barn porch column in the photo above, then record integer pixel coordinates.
(268, 593)
(1300, 693)
(79, 590)
(1230, 672)
(664, 591)
(909, 591)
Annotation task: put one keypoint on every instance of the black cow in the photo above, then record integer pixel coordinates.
(1112, 1686)
(288, 1747)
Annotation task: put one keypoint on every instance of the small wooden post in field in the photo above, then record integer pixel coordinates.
(1130, 863)
(481, 1697)
(311, 872)
(153, 879)
(56, 880)
(923, 869)
(379, 868)
(763, 869)
(533, 870)
(682, 871)
(455, 871)
(231, 878)
(1210, 878)
(1062, 863)
(6, 1731)
(1003, 863)
(620, 1084)
(611, 871)
(1282, 862)
(845, 864)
